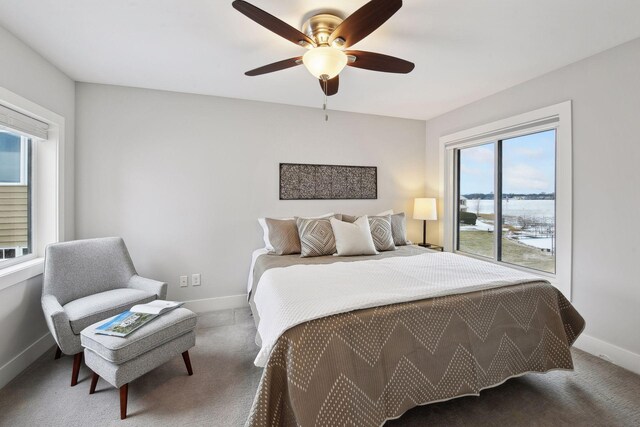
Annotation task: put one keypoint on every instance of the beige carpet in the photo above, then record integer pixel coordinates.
(224, 382)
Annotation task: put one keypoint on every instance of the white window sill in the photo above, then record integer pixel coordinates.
(18, 273)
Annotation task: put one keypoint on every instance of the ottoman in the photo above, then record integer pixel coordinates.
(120, 360)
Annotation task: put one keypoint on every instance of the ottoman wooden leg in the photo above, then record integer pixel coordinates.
(94, 382)
(124, 392)
(58, 353)
(187, 362)
(77, 360)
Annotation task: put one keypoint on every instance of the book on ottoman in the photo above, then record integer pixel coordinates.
(138, 316)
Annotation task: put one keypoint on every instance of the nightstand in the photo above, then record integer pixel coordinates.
(432, 247)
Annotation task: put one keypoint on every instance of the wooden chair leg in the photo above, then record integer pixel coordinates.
(58, 353)
(124, 392)
(94, 383)
(187, 362)
(77, 360)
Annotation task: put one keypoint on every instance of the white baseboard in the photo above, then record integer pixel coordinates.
(219, 303)
(609, 352)
(12, 368)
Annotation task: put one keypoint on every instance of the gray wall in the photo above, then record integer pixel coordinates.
(605, 90)
(183, 178)
(27, 74)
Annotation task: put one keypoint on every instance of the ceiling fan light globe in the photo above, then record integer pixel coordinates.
(324, 61)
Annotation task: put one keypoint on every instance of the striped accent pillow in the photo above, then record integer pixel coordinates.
(316, 237)
(399, 229)
(381, 233)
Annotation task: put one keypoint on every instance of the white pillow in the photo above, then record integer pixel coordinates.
(265, 230)
(353, 238)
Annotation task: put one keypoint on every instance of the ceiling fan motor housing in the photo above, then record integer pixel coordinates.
(319, 27)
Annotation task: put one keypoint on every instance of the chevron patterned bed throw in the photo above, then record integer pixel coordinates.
(362, 342)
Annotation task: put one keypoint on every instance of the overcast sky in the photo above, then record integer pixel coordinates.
(528, 165)
(9, 158)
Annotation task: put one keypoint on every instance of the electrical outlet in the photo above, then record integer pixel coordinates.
(184, 281)
(195, 279)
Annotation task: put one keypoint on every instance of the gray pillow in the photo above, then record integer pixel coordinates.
(349, 218)
(399, 229)
(283, 236)
(316, 236)
(381, 232)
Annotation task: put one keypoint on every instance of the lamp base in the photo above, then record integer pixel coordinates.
(431, 246)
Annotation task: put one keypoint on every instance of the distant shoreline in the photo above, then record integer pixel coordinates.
(511, 196)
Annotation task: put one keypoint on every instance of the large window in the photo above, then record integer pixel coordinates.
(31, 180)
(506, 208)
(507, 192)
(15, 195)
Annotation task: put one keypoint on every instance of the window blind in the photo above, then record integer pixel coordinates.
(23, 124)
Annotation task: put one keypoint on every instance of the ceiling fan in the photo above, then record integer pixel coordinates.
(326, 35)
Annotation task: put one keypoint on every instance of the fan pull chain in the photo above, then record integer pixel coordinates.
(325, 80)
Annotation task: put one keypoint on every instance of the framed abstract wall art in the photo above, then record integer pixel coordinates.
(322, 182)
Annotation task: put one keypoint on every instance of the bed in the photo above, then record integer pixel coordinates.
(360, 340)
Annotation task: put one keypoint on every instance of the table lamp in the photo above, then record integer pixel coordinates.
(425, 209)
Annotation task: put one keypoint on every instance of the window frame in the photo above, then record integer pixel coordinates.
(556, 117)
(47, 184)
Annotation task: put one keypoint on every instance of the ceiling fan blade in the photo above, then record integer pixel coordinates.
(364, 21)
(332, 86)
(276, 66)
(272, 23)
(379, 62)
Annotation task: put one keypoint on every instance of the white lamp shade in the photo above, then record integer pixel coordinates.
(425, 209)
(324, 60)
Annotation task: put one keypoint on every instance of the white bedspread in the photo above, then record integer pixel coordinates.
(288, 296)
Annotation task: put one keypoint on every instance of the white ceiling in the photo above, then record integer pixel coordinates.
(464, 50)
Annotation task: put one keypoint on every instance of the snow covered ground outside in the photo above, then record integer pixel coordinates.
(536, 242)
(480, 226)
(513, 208)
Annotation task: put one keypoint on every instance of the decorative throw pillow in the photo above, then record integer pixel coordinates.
(399, 229)
(265, 230)
(349, 218)
(283, 236)
(381, 232)
(316, 237)
(353, 238)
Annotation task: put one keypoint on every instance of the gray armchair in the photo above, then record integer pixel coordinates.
(86, 281)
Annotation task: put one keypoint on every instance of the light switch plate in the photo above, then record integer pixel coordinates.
(184, 281)
(195, 279)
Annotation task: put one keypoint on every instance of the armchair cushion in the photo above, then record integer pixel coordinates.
(88, 310)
